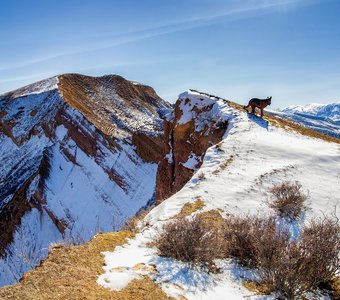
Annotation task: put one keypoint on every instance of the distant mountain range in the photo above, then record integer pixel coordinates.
(324, 118)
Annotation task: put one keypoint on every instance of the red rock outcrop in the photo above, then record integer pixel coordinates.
(193, 127)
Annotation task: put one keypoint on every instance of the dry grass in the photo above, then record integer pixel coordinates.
(288, 201)
(189, 208)
(334, 287)
(257, 288)
(132, 223)
(213, 219)
(223, 165)
(70, 272)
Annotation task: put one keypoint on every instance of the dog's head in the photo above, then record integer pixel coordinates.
(269, 100)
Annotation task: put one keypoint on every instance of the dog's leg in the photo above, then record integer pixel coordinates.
(261, 112)
(253, 109)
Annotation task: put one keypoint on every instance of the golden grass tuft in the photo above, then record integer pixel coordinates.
(70, 272)
(189, 208)
(332, 287)
(335, 284)
(212, 218)
(257, 288)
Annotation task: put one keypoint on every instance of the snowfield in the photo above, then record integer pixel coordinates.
(237, 175)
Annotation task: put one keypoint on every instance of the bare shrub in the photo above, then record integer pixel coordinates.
(299, 266)
(291, 267)
(241, 234)
(191, 241)
(320, 245)
(288, 201)
(132, 223)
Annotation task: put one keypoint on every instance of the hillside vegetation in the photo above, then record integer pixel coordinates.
(70, 272)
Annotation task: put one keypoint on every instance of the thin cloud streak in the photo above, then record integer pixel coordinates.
(249, 10)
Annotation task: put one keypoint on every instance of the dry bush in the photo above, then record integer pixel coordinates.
(295, 267)
(288, 201)
(241, 234)
(191, 241)
(289, 267)
(132, 223)
(320, 245)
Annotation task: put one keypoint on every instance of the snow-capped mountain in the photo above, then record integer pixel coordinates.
(321, 117)
(78, 155)
(326, 111)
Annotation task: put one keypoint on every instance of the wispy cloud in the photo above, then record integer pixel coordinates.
(24, 78)
(247, 9)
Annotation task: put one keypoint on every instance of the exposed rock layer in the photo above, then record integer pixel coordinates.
(189, 131)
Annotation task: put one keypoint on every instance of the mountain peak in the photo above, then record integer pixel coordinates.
(79, 155)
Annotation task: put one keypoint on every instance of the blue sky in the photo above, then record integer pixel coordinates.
(288, 49)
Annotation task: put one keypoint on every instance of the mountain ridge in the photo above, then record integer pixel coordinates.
(52, 154)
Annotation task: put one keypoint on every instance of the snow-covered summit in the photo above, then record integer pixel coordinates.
(237, 174)
(327, 111)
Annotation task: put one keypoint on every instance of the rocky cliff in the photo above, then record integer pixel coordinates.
(189, 130)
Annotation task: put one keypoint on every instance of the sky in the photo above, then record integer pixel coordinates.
(287, 49)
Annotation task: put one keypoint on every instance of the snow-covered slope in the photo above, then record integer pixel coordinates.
(253, 156)
(321, 117)
(64, 174)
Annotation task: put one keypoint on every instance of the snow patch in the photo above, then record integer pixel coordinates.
(192, 161)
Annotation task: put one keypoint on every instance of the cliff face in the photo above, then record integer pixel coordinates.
(193, 127)
(74, 161)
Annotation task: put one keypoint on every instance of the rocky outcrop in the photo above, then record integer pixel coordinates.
(193, 127)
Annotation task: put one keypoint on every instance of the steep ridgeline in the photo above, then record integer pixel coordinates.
(78, 155)
(189, 130)
(324, 118)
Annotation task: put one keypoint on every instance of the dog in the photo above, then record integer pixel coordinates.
(259, 103)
